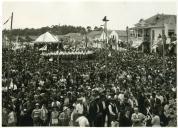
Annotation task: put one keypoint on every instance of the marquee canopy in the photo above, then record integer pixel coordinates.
(46, 38)
(66, 53)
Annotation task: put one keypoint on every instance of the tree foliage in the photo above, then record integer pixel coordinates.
(55, 29)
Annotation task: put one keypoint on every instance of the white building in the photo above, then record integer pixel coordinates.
(146, 32)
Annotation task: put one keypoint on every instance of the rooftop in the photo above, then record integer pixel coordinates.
(157, 20)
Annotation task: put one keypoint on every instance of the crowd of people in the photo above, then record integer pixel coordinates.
(123, 89)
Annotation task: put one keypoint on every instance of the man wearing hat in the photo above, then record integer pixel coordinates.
(137, 118)
(44, 115)
(101, 111)
(36, 113)
(63, 117)
(113, 111)
(25, 119)
(79, 106)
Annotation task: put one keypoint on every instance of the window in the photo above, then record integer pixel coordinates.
(140, 33)
(170, 32)
(163, 32)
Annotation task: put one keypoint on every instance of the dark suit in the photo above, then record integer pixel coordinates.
(155, 105)
(92, 113)
(101, 114)
(124, 121)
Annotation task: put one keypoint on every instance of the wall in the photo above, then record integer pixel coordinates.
(170, 26)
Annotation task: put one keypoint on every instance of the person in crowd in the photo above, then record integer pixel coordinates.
(36, 113)
(64, 117)
(137, 118)
(44, 115)
(56, 103)
(54, 117)
(5, 116)
(79, 106)
(155, 120)
(74, 116)
(125, 119)
(25, 118)
(113, 112)
(107, 96)
(102, 111)
(12, 119)
(155, 103)
(82, 121)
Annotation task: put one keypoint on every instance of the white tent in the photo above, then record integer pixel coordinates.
(46, 38)
(114, 35)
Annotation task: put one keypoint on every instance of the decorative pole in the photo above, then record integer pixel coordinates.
(164, 41)
(105, 30)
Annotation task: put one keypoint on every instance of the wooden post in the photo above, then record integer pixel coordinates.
(127, 31)
(143, 39)
(164, 40)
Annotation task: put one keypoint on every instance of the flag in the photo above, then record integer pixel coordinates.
(6, 21)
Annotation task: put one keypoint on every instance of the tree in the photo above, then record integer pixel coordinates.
(89, 29)
(54, 29)
(100, 28)
(95, 28)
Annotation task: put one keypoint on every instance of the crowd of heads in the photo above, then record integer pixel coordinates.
(103, 91)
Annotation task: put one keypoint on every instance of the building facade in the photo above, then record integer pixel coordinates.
(149, 32)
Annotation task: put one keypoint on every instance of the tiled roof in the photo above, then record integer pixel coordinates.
(75, 36)
(157, 20)
(121, 32)
(94, 34)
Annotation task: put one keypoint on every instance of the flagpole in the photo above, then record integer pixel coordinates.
(10, 39)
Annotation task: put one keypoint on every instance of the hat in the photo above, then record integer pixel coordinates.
(37, 104)
(79, 99)
(65, 108)
(135, 109)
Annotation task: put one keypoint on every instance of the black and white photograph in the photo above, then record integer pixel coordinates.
(89, 63)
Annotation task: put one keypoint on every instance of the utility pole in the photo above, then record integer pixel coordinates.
(106, 45)
(86, 41)
(164, 41)
(58, 53)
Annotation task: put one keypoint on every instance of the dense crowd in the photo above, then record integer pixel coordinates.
(123, 89)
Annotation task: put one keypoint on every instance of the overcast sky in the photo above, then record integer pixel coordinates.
(121, 14)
